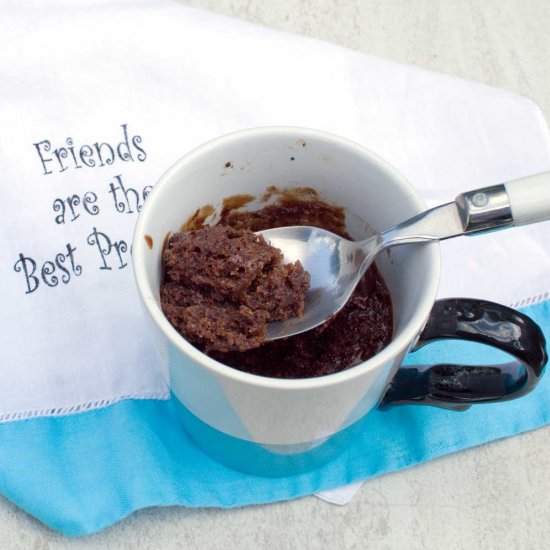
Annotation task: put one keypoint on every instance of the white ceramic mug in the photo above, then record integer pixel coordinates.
(283, 426)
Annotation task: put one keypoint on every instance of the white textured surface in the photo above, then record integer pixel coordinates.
(495, 496)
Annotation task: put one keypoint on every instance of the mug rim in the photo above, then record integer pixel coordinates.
(149, 296)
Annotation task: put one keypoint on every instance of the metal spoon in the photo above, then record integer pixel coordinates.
(336, 265)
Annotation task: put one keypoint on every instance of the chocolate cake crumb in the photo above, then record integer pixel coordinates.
(223, 285)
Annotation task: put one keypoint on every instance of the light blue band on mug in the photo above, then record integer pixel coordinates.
(262, 459)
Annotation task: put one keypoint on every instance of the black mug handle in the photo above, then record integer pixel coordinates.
(459, 386)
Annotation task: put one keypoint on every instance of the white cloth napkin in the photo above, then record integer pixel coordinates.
(98, 99)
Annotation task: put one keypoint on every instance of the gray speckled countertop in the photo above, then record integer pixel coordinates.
(494, 496)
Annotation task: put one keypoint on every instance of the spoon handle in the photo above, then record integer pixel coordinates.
(530, 198)
(517, 202)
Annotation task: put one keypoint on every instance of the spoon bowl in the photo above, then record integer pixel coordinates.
(334, 265)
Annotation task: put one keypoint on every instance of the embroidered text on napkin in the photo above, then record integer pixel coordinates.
(112, 251)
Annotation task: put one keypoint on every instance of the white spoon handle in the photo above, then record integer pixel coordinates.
(530, 198)
(518, 202)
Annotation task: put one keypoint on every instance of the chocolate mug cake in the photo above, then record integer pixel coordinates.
(223, 310)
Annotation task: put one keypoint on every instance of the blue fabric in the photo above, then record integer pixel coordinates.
(81, 473)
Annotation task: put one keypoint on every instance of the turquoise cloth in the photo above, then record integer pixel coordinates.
(80, 473)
